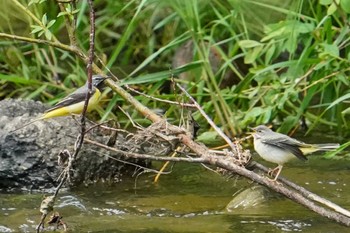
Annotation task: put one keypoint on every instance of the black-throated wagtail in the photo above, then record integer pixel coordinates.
(74, 102)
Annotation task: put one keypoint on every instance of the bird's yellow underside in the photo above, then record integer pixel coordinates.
(74, 108)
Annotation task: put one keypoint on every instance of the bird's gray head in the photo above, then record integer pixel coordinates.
(261, 131)
(97, 80)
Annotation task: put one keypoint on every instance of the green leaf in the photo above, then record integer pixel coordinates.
(69, 8)
(291, 43)
(111, 104)
(326, 2)
(35, 29)
(35, 2)
(329, 49)
(51, 23)
(303, 27)
(274, 31)
(321, 64)
(147, 78)
(252, 55)
(333, 153)
(256, 111)
(337, 101)
(48, 34)
(41, 33)
(62, 13)
(269, 54)
(37, 92)
(159, 76)
(331, 9)
(165, 21)
(345, 5)
(208, 137)
(249, 43)
(266, 116)
(288, 123)
(252, 115)
(343, 78)
(18, 79)
(286, 29)
(346, 111)
(151, 58)
(44, 19)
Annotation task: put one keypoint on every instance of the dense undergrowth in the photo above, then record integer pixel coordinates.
(246, 62)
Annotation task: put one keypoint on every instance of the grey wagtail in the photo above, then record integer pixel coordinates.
(74, 102)
(279, 148)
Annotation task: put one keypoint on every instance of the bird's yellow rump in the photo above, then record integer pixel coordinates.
(279, 148)
(76, 108)
(74, 103)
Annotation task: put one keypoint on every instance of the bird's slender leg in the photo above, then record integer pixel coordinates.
(271, 171)
(279, 167)
(276, 170)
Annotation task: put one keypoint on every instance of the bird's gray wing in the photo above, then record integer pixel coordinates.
(289, 144)
(76, 97)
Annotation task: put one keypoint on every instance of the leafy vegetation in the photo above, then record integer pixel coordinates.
(247, 63)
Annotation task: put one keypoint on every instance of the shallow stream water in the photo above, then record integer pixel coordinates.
(190, 199)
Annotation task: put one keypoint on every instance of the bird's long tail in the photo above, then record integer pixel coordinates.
(311, 148)
(29, 123)
(327, 146)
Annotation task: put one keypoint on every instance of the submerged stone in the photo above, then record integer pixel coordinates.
(249, 198)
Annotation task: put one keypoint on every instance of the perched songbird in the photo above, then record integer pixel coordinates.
(279, 148)
(74, 102)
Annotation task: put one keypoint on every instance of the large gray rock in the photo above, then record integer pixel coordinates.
(28, 157)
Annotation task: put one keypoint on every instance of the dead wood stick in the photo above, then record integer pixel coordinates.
(306, 193)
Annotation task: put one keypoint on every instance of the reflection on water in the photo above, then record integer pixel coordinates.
(191, 199)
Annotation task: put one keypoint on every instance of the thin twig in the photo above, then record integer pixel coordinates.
(55, 44)
(160, 172)
(134, 102)
(323, 78)
(69, 23)
(160, 100)
(306, 193)
(130, 163)
(145, 156)
(113, 129)
(80, 138)
(135, 125)
(212, 124)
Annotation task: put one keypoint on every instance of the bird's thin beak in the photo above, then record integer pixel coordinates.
(252, 130)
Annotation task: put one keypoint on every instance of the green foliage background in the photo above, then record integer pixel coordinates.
(276, 61)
